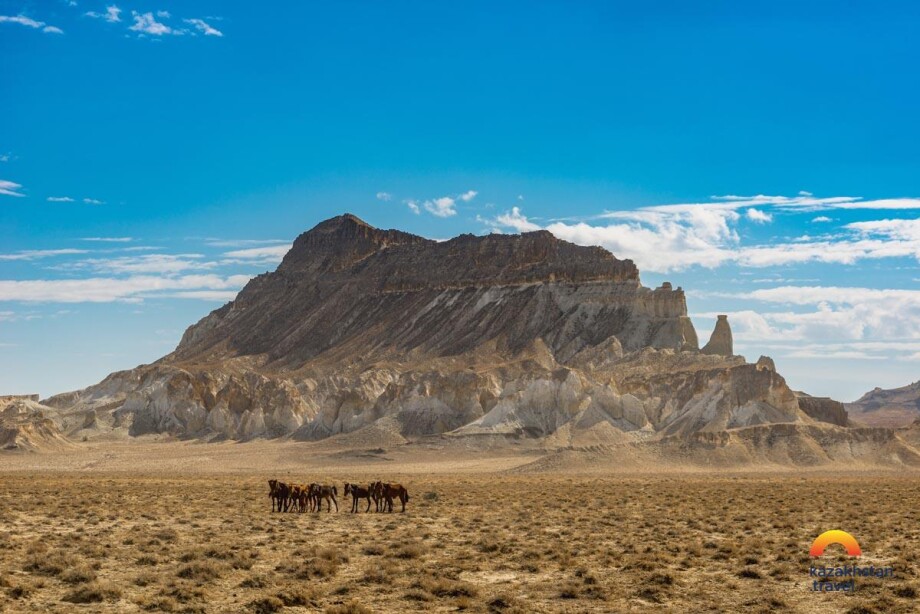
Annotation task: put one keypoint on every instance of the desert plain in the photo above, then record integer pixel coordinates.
(153, 526)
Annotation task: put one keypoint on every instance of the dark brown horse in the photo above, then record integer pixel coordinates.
(320, 492)
(279, 493)
(394, 491)
(357, 493)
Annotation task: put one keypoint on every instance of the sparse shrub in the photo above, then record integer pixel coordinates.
(266, 605)
(78, 574)
(352, 607)
(93, 593)
(200, 571)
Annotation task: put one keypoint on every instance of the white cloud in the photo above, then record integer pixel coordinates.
(841, 313)
(243, 242)
(266, 254)
(143, 264)
(668, 238)
(111, 14)
(441, 207)
(756, 215)
(93, 201)
(10, 188)
(893, 229)
(108, 239)
(59, 199)
(203, 27)
(821, 218)
(515, 219)
(106, 290)
(30, 23)
(5, 157)
(384, 196)
(146, 23)
(413, 207)
(35, 254)
(468, 195)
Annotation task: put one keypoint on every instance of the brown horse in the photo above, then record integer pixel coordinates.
(319, 492)
(395, 491)
(279, 493)
(299, 497)
(357, 493)
(376, 493)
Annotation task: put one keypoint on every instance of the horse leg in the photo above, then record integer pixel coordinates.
(336, 503)
(368, 505)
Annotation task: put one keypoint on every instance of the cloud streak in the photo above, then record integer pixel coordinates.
(10, 188)
(131, 289)
(30, 23)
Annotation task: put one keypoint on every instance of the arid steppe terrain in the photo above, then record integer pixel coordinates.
(187, 527)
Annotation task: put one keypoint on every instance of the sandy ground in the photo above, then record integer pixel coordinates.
(183, 526)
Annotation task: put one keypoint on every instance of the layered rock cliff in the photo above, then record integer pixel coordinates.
(500, 335)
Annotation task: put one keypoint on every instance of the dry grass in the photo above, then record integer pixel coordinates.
(467, 543)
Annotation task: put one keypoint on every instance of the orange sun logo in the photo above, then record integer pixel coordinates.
(835, 537)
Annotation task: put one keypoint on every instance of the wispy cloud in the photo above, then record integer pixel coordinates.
(667, 238)
(266, 255)
(129, 289)
(756, 215)
(10, 188)
(30, 23)
(108, 239)
(35, 254)
(444, 206)
(147, 263)
(821, 219)
(146, 23)
(93, 201)
(441, 207)
(243, 242)
(384, 196)
(59, 199)
(204, 27)
(110, 15)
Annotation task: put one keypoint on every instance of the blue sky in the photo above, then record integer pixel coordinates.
(761, 155)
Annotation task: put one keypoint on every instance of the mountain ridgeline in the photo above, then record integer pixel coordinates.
(385, 337)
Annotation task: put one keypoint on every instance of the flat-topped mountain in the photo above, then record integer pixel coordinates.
(383, 337)
(353, 290)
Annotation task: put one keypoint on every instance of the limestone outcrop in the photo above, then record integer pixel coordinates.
(720, 343)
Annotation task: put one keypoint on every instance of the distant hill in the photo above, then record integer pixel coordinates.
(892, 408)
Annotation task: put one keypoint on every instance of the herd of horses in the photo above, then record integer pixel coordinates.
(302, 497)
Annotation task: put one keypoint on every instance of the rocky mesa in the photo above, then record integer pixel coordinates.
(400, 337)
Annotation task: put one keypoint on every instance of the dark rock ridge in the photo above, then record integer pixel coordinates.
(398, 336)
(352, 289)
